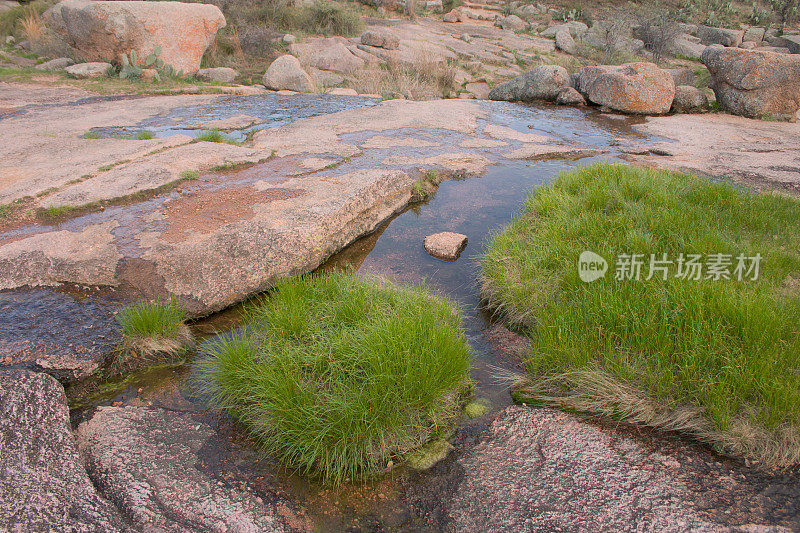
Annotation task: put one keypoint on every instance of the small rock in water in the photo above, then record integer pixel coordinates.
(428, 455)
(445, 245)
(477, 408)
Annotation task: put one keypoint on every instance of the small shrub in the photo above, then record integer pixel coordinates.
(787, 11)
(92, 134)
(658, 29)
(331, 18)
(759, 16)
(31, 25)
(190, 175)
(12, 20)
(423, 77)
(144, 135)
(152, 333)
(336, 375)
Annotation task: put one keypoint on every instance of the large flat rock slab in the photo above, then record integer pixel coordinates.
(149, 461)
(757, 153)
(43, 485)
(539, 469)
(176, 220)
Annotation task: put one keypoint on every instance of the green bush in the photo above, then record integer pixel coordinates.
(719, 359)
(336, 375)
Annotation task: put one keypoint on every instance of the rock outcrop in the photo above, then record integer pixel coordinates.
(104, 31)
(539, 83)
(512, 22)
(725, 37)
(286, 73)
(689, 98)
(223, 74)
(565, 42)
(327, 54)
(753, 83)
(43, 486)
(149, 461)
(380, 39)
(537, 469)
(88, 70)
(637, 88)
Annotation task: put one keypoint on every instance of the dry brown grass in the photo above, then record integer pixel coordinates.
(141, 351)
(32, 26)
(595, 392)
(424, 77)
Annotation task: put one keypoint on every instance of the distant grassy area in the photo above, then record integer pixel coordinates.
(337, 375)
(719, 359)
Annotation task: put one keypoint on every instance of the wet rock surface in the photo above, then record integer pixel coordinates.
(43, 486)
(66, 333)
(150, 462)
(537, 469)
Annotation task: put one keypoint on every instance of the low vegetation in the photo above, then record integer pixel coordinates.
(337, 375)
(717, 358)
(422, 77)
(153, 333)
(215, 136)
(252, 38)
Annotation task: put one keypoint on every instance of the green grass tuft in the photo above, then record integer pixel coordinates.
(151, 318)
(336, 375)
(719, 359)
(215, 136)
(144, 135)
(152, 333)
(190, 175)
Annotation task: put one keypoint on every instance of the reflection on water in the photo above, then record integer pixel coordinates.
(476, 207)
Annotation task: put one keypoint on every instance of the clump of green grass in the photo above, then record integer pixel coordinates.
(190, 175)
(336, 375)
(144, 135)
(717, 359)
(152, 333)
(92, 134)
(55, 213)
(215, 136)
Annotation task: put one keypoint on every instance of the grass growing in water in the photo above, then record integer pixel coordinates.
(717, 359)
(152, 333)
(215, 136)
(336, 374)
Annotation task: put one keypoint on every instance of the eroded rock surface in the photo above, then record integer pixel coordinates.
(640, 88)
(149, 462)
(538, 469)
(759, 154)
(43, 486)
(753, 83)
